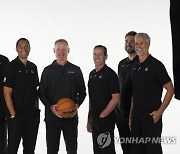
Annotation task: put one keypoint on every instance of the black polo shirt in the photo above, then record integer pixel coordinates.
(148, 79)
(3, 63)
(124, 75)
(101, 86)
(24, 81)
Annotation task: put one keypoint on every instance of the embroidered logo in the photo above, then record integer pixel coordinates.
(4, 79)
(32, 71)
(70, 72)
(100, 77)
(146, 69)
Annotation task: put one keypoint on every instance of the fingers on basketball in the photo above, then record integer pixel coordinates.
(66, 107)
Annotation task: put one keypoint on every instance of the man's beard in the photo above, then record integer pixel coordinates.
(131, 51)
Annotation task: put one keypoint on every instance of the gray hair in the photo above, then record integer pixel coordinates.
(61, 40)
(145, 36)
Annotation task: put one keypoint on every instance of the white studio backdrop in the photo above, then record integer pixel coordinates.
(84, 24)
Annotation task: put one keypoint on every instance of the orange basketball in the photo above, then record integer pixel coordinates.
(66, 107)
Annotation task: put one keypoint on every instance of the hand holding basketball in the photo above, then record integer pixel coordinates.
(66, 108)
(53, 109)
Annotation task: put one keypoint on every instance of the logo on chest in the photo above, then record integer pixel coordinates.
(4, 79)
(96, 76)
(26, 71)
(70, 72)
(100, 76)
(146, 69)
(32, 71)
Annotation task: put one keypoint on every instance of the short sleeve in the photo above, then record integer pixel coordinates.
(162, 74)
(8, 80)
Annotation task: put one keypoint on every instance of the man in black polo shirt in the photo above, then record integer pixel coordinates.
(103, 98)
(3, 126)
(61, 79)
(124, 74)
(20, 93)
(149, 77)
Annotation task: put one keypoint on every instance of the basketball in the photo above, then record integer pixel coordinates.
(66, 107)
